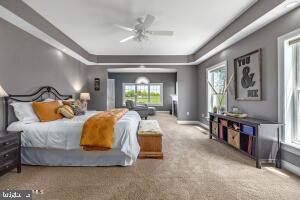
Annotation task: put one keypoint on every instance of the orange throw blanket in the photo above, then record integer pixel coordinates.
(98, 130)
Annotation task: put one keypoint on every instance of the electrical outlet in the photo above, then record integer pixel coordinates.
(188, 113)
(203, 115)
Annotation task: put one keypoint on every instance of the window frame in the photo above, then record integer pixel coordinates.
(209, 70)
(287, 99)
(149, 86)
(296, 65)
(123, 91)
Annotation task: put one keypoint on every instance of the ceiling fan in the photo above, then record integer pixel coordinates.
(140, 31)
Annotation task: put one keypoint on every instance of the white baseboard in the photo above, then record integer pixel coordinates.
(193, 123)
(162, 111)
(187, 122)
(290, 167)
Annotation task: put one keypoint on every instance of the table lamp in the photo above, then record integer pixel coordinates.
(2, 92)
(84, 97)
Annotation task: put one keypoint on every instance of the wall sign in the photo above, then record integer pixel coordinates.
(97, 84)
(247, 70)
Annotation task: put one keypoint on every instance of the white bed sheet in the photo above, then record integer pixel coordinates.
(65, 133)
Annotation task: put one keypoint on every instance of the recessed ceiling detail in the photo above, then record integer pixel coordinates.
(91, 24)
(24, 17)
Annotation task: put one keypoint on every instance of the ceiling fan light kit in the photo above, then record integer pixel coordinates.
(141, 31)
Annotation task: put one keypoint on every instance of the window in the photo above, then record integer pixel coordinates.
(129, 92)
(296, 102)
(142, 80)
(216, 75)
(150, 94)
(142, 94)
(155, 94)
(289, 87)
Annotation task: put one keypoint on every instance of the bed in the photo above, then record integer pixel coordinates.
(57, 143)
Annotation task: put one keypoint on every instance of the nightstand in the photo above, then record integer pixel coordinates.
(10, 151)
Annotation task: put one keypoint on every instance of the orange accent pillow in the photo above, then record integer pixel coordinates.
(47, 111)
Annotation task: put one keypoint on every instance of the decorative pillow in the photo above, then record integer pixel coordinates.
(24, 112)
(78, 102)
(66, 111)
(76, 106)
(47, 111)
(77, 110)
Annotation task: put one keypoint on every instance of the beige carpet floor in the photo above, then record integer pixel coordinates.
(194, 167)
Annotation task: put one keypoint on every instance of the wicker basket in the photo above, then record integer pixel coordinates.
(234, 138)
(215, 129)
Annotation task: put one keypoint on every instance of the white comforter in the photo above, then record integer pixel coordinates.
(66, 133)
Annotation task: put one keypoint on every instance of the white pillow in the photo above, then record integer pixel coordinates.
(16, 126)
(48, 100)
(24, 112)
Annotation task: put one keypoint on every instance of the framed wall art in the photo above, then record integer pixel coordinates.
(247, 70)
(97, 84)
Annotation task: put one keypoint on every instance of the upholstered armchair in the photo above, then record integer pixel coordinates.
(141, 109)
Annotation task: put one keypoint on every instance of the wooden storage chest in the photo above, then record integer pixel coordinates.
(150, 139)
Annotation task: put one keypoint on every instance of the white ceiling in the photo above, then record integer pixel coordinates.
(91, 23)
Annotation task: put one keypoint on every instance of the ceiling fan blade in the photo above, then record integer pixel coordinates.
(163, 33)
(140, 20)
(148, 21)
(128, 38)
(125, 28)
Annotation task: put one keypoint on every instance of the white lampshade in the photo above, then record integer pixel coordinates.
(2, 92)
(85, 96)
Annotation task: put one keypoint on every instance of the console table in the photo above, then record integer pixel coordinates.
(259, 139)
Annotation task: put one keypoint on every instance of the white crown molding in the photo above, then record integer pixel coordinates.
(27, 27)
(261, 22)
(141, 70)
(251, 28)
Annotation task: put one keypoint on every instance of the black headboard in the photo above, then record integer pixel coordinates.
(39, 95)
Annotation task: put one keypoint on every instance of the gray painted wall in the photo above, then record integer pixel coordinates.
(168, 80)
(266, 39)
(28, 63)
(187, 93)
(98, 98)
(188, 89)
(25, 12)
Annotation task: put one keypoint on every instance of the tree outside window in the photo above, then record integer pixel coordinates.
(150, 94)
